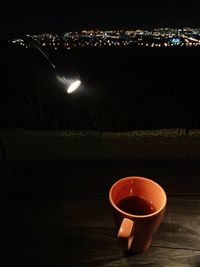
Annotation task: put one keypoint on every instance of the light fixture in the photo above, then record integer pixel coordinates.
(70, 84)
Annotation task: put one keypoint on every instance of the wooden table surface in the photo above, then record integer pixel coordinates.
(58, 214)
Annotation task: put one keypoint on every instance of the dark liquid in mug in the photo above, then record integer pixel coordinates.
(136, 205)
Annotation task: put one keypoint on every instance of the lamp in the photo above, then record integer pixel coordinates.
(71, 84)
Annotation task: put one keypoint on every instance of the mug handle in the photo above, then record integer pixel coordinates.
(125, 234)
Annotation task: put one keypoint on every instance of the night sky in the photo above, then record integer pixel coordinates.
(60, 16)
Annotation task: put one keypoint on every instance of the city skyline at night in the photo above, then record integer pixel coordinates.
(160, 37)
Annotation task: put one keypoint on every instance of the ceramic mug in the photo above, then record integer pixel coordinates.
(138, 206)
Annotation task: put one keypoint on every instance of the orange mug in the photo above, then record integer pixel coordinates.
(138, 206)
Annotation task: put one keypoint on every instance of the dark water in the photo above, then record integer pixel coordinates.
(122, 89)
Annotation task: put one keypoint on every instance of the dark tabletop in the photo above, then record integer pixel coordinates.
(57, 213)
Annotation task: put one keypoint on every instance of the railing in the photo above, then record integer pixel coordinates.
(144, 144)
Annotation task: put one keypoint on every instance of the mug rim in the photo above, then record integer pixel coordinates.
(133, 215)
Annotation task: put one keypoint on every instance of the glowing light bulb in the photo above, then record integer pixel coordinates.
(73, 86)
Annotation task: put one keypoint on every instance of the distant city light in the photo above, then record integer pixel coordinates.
(161, 37)
(175, 41)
